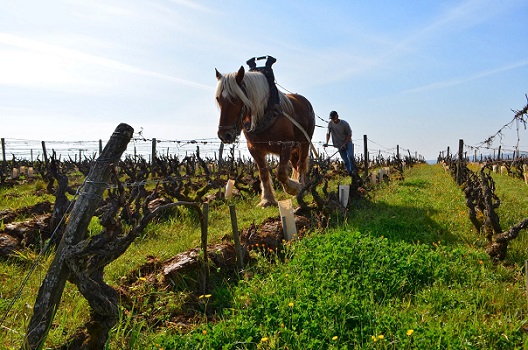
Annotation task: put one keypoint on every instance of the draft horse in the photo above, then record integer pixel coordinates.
(243, 101)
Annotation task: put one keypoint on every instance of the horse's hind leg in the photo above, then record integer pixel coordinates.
(290, 186)
(294, 161)
(302, 167)
(267, 198)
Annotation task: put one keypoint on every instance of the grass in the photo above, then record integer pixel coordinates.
(403, 270)
(24, 195)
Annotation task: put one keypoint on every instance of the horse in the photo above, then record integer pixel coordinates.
(243, 100)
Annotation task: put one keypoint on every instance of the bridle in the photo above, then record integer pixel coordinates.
(237, 125)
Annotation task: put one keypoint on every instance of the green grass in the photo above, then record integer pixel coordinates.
(406, 262)
(24, 195)
(403, 270)
(354, 287)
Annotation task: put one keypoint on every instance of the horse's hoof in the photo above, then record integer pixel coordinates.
(265, 203)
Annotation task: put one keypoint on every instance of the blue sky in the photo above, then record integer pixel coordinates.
(418, 74)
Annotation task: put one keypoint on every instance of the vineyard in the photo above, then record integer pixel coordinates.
(108, 209)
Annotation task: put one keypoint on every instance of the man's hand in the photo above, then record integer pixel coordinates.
(325, 144)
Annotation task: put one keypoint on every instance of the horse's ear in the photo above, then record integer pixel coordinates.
(218, 74)
(240, 75)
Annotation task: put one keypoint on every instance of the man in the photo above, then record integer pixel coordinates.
(342, 140)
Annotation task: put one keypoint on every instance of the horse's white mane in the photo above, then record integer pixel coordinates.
(256, 97)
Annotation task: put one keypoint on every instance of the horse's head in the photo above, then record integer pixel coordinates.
(229, 94)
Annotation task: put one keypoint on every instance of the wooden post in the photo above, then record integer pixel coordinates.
(499, 153)
(220, 156)
(398, 160)
(153, 150)
(205, 261)
(100, 146)
(4, 161)
(45, 153)
(51, 289)
(234, 225)
(526, 277)
(366, 158)
(3, 151)
(460, 161)
(153, 157)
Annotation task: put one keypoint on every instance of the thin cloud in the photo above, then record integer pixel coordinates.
(65, 53)
(465, 14)
(460, 81)
(191, 5)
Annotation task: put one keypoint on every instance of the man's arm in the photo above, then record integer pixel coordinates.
(347, 140)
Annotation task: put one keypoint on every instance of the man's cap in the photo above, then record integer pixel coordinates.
(333, 114)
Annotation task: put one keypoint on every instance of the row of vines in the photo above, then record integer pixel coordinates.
(476, 181)
(139, 191)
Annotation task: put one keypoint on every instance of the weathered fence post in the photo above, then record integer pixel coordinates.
(4, 161)
(100, 146)
(3, 151)
(460, 161)
(220, 156)
(154, 152)
(45, 153)
(365, 156)
(153, 158)
(51, 289)
(234, 225)
(205, 261)
(526, 277)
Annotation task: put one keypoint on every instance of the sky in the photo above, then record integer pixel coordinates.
(417, 74)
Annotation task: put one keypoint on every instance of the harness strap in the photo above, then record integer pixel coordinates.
(303, 131)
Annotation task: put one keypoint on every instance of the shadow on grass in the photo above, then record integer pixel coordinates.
(399, 222)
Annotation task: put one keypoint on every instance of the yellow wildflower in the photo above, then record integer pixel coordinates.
(290, 304)
(410, 332)
(334, 337)
(265, 339)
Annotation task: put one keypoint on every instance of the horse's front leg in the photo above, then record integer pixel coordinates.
(290, 186)
(267, 198)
